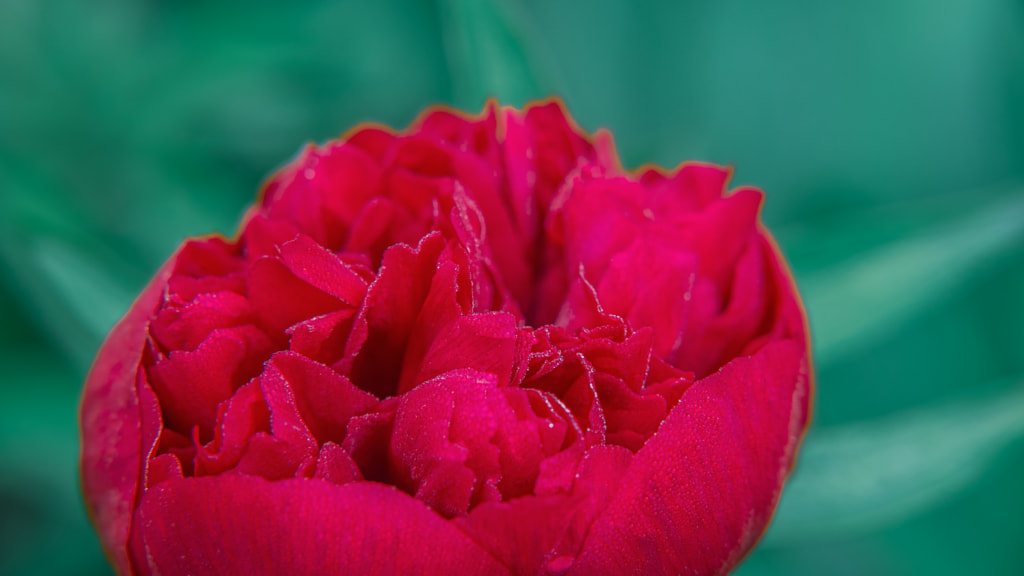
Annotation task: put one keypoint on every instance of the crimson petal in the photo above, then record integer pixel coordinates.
(700, 493)
(247, 525)
(111, 423)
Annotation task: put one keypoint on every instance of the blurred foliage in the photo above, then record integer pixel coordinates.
(888, 135)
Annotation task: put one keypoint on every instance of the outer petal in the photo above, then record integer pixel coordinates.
(111, 424)
(247, 525)
(699, 494)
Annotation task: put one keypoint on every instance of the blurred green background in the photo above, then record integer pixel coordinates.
(889, 137)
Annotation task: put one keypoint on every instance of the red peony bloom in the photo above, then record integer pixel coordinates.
(478, 346)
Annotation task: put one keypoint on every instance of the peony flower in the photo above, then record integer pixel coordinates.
(478, 346)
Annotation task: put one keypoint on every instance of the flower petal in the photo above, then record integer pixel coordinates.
(701, 491)
(111, 427)
(191, 384)
(247, 525)
(325, 399)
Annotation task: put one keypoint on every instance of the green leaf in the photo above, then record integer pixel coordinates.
(867, 475)
(851, 305)
(488, 53)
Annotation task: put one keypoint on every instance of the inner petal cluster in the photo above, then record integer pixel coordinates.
(465, 311)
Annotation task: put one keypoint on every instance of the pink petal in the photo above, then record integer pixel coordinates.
(422, 155)
(322, 338)
(524, 441)
(346, 178)
(210, 256)
(631, 417)
(602, 217)
(440, 308)
(323, 270)
(372, 228)
(693, 187)
(393, 302)
(191, 384)
(288, 195)
(629, 359)
(582, 307)
(704, 182)
(182, 289)
(743, 318)
(597, 482)
(416, 198)
(152, 430)
(245, 525)
(374, 140)
(461, 130)
(262, 236)
(520, 533)
(335, 465)
(519, 159)
(509, 247)
(484, 342)
(238, 419)
(325, 399)
(700, 493)
(290, 448)
(722, 233)
(185, 327)
(528, 533)
(650, 285)
(290, 288)
(441, 448)
(559, 147)
(368, 438)
(111, 427)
